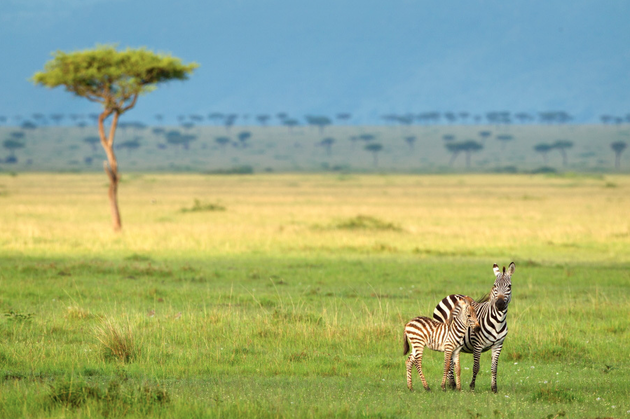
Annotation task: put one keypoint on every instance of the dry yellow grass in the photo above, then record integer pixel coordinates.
(516, 216)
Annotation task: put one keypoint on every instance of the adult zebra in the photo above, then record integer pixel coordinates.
(492, 314)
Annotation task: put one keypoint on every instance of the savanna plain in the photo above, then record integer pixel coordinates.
(282, 295)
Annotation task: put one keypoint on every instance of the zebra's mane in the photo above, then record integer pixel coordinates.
(484, 298)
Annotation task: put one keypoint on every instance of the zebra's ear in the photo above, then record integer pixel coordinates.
(511, 268)
(495, 269)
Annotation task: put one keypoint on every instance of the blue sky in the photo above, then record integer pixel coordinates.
(322, 57)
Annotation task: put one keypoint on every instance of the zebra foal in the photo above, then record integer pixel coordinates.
(492, 314)
(447, 337)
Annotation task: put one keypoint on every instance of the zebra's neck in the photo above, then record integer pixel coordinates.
(488, 309)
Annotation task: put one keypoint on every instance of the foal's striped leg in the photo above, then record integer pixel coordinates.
(409, 364)
(418, 362)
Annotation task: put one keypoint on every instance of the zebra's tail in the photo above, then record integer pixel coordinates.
(405, 344)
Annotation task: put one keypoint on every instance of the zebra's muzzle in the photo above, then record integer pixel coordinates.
(501, 304)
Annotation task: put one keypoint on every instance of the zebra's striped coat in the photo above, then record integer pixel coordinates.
(492, 314)
(447, 337)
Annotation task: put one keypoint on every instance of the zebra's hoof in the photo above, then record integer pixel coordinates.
(472, 387)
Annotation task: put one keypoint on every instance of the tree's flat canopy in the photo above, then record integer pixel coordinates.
(104, 74)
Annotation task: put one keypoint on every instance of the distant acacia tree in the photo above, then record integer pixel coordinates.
(290, 123)
(216, 117)
(222, 141)
(327, 144)
(367, 137)
(523, 117)
(92, 141)
(504, 138)
(30, 125)
(468, 147)
(176, 138)
(130, 145)
(114, 79)
(229, 121)
(374, 148)
(319, 121)
(282, 115)
(448, 137)
(450, 117)
(484, 135)
(12, 145)
(410, 140)
(543, 149)
(618, 147)
(263, 119)
(562, 146)
(243, 136)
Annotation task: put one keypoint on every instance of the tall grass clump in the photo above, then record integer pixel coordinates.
(116, 341)
(366, 222)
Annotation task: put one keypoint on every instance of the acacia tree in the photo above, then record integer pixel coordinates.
(618, 147)
(327, 144)
(114, 79)
(468, 147)
(504, 138)
(562, 146)
(410, 140)
(243, 136)
(374, 148)
(543, 149)
(12, 145)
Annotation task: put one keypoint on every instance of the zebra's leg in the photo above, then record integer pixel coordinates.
(409, 363)
(448, 353)
(457, 367)
(451, 378)
(418, 362)
(476, 357)
(496, 351)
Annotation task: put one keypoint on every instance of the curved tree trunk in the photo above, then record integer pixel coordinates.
(111, 165)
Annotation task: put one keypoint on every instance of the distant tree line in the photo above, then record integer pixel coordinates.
(319, 121)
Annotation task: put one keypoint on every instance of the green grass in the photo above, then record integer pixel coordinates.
(282, 318)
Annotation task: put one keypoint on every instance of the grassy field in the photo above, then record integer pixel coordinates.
(285, 295)
(277, 149)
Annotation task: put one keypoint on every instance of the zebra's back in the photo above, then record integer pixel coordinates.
(444, 307)
(492, 331)
(423, 331)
